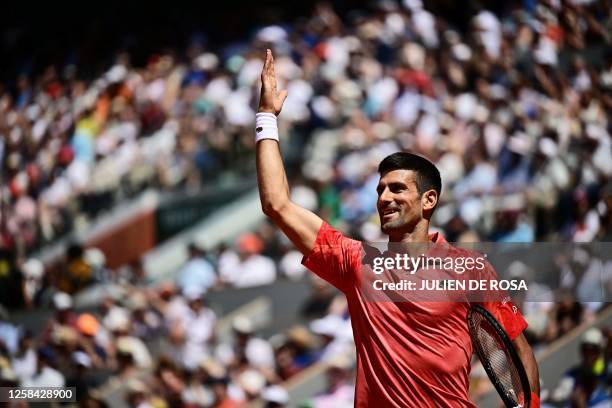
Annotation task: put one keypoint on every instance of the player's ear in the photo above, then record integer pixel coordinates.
(429, 200)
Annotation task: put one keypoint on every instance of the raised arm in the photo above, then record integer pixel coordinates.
(300, 225)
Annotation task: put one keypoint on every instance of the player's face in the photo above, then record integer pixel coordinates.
(399, 202)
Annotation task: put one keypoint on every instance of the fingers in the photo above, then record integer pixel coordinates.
(264, 70)
(268, 69)
(270, 59)
(268, 79)
(282, 96)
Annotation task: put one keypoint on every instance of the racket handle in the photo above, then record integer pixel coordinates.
(535, 401)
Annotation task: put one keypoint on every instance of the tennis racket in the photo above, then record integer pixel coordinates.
(499, 358)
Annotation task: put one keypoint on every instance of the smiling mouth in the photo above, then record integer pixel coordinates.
(389, 212)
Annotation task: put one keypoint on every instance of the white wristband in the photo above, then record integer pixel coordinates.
(265, 126)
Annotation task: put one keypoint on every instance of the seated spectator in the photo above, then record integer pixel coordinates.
(78, 273)
(592, 361)
(337, 336)
(64, 314)
(590, 391)
(45, 375)
(275, 396)
(285, 362)
(9, 333)
(197, 272)
(192, 330)
(221, 397)
(24, 361)
(249, 267)
(340, 388)
(247, 348)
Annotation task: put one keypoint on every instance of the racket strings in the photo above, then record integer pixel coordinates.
(491, 348)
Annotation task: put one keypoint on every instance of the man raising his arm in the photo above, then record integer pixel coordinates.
(409, 354)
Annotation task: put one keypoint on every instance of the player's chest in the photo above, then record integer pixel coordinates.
(418, 314)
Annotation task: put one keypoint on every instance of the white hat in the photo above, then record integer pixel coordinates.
(137, 301)
(33, 268)
(341, 361)
(519, 143)
(272, 34)
(116, 74)
(213, 367)
(252, 381)
(81, 358)
(95, 257)
(498, 92)
(117, 319)
(548, 147)
(242, 324)
(193, 293)
(592, 336)
(276, 394)
(62, 301)
(461, 51)
(413, 4)
(327, 326)
(465, 106)
(546, 52)
(136, 385)
(206, 61)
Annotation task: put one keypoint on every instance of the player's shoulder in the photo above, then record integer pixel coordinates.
(329, 235)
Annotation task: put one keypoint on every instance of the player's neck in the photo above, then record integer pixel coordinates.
(420, 233)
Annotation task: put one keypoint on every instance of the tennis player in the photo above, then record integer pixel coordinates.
(409, 354)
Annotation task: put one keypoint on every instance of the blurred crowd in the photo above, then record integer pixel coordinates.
(160, 346)
(514, 111)
(511, 112)
(71, 149)
(586, 384)
(514, 107)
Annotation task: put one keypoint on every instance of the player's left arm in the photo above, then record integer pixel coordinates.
(529, 362)
(513, 322)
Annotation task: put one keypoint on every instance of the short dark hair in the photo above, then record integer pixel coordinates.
(427, 174)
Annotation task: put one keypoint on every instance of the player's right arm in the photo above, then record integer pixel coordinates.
(300, 225)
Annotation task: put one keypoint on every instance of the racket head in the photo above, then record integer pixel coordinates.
(499, 358)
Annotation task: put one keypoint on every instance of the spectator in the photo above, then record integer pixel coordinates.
(250, 268)
(45, 375)
(64, 314)
(24, 361)
(340, 391)
(337, 336)
(247, 349)
(33, 271)
(78, 273)
(592, 361)
(198, 326)
(590, 391)
(275, 396)
(197, 273)
(9, 333)
(221, 397)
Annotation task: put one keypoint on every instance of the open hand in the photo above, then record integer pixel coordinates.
(270, 100)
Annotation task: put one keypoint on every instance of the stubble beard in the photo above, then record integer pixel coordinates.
(397, 224)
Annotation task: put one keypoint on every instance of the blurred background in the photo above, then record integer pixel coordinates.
(135, 262)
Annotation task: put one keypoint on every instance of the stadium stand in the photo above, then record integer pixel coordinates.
(512, 105)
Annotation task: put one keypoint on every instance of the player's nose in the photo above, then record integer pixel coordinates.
(385, 198)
